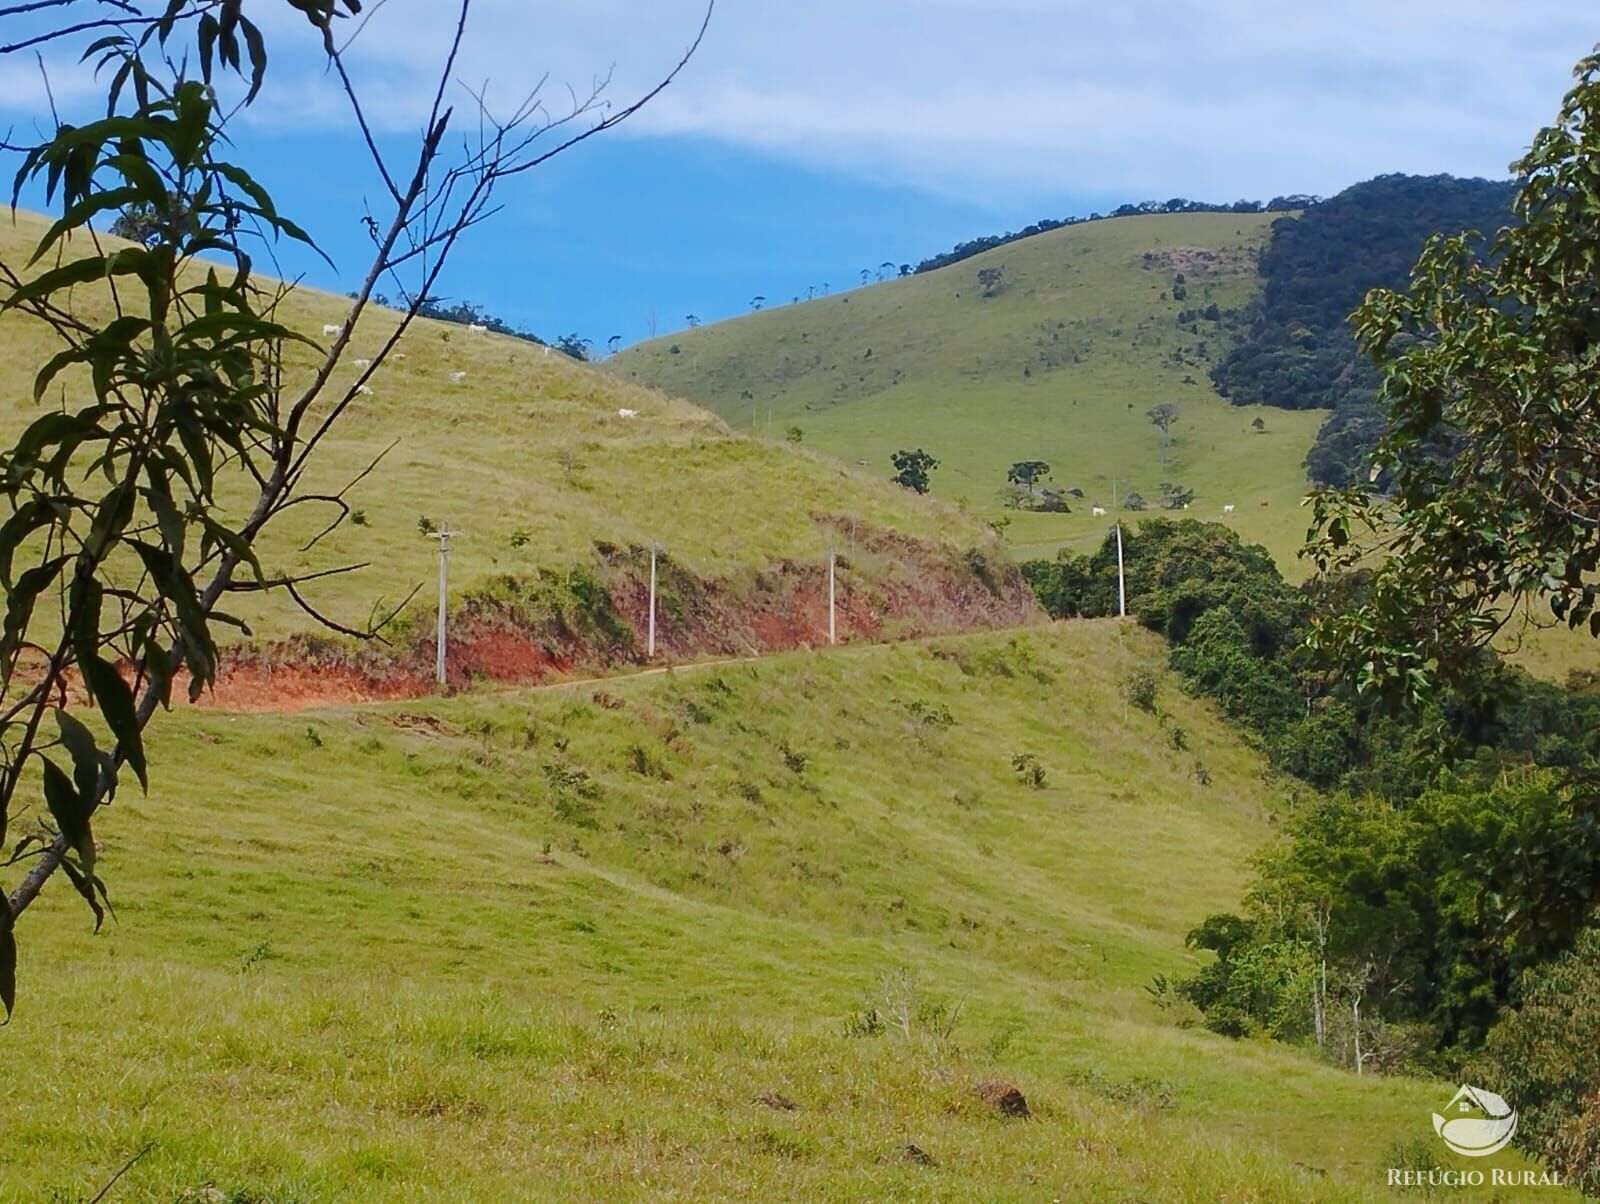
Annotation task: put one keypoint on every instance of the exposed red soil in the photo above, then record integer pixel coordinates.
(893, 587)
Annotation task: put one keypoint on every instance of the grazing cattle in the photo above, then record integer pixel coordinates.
(477, 329)
(329, 328)
(1228, 509)
(363, 390)
(363, 363)
(1264, 505)
(625, 413)
(457, 377)
(1097, 511)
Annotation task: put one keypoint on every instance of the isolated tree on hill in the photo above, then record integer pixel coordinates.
(613, 343)
(913, 469)
(1163, 416)
(757, 302)
(866, 276)
(1026, 473)
(990, 280)
(693, 320)
(574, 345)
(185, 415)
(885, 270)
(1489, 365)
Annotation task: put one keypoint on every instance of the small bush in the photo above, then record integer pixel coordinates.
(1141, 688)
(1028, 770)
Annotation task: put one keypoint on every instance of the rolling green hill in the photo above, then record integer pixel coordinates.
(530, 455)
(1060, 364)
(733, 932)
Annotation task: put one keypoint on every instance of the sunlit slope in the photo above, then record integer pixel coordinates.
(577, 943)
(526, 454)
(1060, 364)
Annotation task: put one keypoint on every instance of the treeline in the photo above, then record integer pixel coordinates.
(1297, 350)
(1450, 865)
(467, 313)
(977, 246)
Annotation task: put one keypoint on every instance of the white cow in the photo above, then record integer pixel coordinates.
(363, 363)
(457, 377)
(1228, 509)
(329, 328)
(475, 328)
(399, 357)
(363, 390)
(625, 413)
(1097, 511)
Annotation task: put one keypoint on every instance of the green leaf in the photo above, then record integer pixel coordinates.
(87, 885)
(71, 811)
(115, 702)
(87, 761)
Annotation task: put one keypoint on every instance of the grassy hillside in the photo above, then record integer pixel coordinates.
(529, 450)
(576, 942)
(1061, 364)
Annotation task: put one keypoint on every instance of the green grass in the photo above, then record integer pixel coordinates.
(1060, 365)
(527, 443)
(553, 944)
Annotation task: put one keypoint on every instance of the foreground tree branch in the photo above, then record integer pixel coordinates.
(115, 548)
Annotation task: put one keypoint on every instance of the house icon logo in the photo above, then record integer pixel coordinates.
(1476, 1123)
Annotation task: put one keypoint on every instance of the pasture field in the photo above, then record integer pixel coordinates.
(595, 940)
(528, 456)
(1060, 364)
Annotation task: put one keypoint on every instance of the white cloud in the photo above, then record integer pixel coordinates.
(1016, 99)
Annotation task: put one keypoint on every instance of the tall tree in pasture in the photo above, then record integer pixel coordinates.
(1163, 417)
(1027, 473)
(184, 415)
(990, 280)
(1490, 366)
(914, 469)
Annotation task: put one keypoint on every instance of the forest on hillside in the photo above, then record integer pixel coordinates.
(1297, 349)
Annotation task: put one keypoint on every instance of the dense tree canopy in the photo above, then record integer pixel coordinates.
(1298, 350)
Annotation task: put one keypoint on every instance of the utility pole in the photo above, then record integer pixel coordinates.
(650, 647)
(443, 535)
(833, 630)
(1122, 581)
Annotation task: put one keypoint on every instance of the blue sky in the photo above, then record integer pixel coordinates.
(806, 142)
